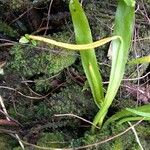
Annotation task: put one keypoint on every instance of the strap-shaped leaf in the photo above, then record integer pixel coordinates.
(145, 59)
(130, 3)
(78, 47)
(124, 25)
(130, 115)
(89, 62)
(140, 113)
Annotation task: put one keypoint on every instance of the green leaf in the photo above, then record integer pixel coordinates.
(89, 62)
(33, 42)
(141, 60)
(124, 25)
(27, 36)
(78, 47)
(130, 3)
(130, 115)
(140, 113)
(23, 40)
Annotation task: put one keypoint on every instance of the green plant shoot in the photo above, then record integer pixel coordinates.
(122, 38)
(79, 47)
(86, 45)
(124, 25)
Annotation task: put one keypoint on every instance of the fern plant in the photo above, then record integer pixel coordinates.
(124, 25)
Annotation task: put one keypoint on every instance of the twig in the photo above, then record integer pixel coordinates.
(145, 13)
(7, 131)
(20, 16)
(6, 44)
(6, 40)
(136, 136)
(87, 146)
(48, 16)
(7, 122)
(132, 79)
(30, 97)
(5, 111)
(14, 121)
(72, 115)
(139, 78)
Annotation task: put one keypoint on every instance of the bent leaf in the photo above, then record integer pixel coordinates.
(140, 113)
(78, 47)
(130, 115)
(124, 25)
(145, 59)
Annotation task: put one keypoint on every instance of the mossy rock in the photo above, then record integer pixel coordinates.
(124, 142)
(51, 140)
(69, 100)
(29, 63)
(41, 62)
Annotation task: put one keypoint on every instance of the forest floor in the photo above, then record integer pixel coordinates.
(45, 101)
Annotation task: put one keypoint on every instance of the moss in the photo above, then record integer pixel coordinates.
(30, 61)
(7, 30)
(143, 132)
(19, 4)
(94, 138)
(43, 84)
(117, 145)
(18, 148)
(124, 142)
(123, 102)
(6, 142)
(52, 140)
(69, 100)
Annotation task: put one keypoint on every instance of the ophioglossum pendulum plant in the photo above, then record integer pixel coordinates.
(121, 40)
